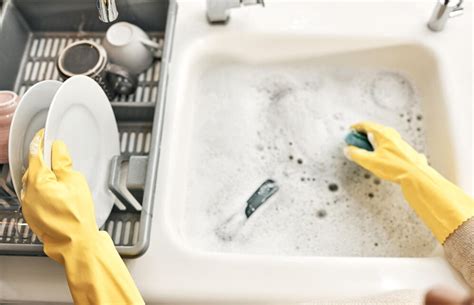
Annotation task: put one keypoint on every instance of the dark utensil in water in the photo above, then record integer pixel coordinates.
(229, 228)
(262, 194)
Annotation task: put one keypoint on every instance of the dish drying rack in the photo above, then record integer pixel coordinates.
(130, 177)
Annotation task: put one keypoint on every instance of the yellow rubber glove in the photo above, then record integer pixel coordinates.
(58, 206)
(439, 203)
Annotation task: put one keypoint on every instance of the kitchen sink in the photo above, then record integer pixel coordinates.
(251, 115)
(267, 97)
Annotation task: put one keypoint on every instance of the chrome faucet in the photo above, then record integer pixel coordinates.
(107, 10)
(218, 10)
(444, 10)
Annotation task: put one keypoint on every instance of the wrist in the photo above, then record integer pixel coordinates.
(438, 202)
(83, 241)
(91, 240)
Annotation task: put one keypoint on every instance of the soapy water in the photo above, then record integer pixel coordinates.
(288, 123)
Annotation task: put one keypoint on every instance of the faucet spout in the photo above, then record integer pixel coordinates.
(107, 10)
(218, 10)
(444, 10)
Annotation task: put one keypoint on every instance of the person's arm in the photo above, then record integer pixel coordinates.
(447, 296)
(57, 205)
(443, 206)
(459, 250)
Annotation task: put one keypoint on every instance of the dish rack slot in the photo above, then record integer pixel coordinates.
(40, 64)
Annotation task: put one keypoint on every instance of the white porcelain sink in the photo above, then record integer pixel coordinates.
(218, 76)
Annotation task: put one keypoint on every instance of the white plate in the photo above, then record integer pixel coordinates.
(30, 116)
(81, 116)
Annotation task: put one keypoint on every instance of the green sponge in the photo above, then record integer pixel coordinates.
(359, 139)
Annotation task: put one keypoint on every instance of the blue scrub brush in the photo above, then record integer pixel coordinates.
(359, 139)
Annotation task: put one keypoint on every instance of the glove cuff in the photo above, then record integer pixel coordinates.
(96, 273)
(439, 203)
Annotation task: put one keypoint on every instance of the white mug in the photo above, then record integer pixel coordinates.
(130, 47)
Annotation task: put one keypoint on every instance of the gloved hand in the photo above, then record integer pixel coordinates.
(58, 206)
(439, 203)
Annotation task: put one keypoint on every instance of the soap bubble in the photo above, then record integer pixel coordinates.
(391, 91)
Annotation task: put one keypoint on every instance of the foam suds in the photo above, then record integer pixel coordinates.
(288, 123)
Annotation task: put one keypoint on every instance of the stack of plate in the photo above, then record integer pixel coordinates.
(78, 113)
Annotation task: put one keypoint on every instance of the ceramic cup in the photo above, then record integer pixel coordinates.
(8, 102)
(87, 58)
(129, 46)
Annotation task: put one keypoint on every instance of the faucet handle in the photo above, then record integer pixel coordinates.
(253, 2)
(458, 10)
(218, 10)
(107, 10)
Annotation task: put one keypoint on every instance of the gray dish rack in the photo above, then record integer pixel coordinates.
(32, 33)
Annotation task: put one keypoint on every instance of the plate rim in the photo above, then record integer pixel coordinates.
(19, 111)
(114, 143)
